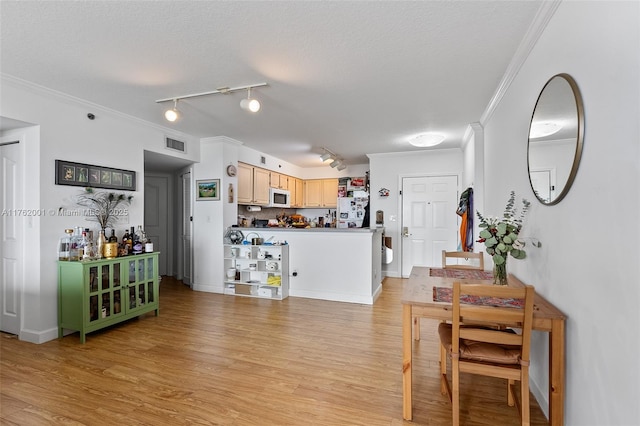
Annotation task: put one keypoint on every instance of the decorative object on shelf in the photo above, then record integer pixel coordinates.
(234, 236)
(500, 236)
(79, 174)
(103, 205)
(383, 192)
(208, 190)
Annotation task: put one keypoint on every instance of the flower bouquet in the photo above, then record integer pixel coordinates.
(500, 236)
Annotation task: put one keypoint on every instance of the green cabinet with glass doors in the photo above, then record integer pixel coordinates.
(99, 293)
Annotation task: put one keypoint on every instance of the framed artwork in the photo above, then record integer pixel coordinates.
(208, 189)
(78, 174)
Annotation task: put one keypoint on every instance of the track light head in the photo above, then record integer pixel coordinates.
(341, 167)
(326, 156)
(251, 105)
(335, 163)
(172, 114)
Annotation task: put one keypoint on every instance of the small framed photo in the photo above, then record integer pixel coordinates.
(208, 190)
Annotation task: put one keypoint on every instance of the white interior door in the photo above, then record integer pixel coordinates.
(541, 181)
(156, 218)
(187, 266)
(11, 222)
(429, 220)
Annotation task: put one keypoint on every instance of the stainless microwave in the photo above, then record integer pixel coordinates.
(279, 198)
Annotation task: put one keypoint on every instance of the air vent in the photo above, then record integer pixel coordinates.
(175, 144)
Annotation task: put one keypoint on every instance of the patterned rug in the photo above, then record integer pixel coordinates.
(443, 294)
(463, 274)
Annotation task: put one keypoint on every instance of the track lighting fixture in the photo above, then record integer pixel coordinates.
(335, 162)
(249, 104)
(172, 114)
(252, 105)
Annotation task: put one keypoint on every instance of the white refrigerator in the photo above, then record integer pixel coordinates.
(351, 209)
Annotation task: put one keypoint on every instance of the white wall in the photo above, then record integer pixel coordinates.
(65, 132)
(588, 263)
(387, 171)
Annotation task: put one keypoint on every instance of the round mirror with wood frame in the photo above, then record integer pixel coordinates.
(556, 134)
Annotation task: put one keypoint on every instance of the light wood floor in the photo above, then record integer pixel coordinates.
(216, 359)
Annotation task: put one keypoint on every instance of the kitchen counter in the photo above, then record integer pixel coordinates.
(277, 229)
(339, 264)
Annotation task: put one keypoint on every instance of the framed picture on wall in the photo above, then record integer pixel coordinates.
(79, 174)
(208, 190)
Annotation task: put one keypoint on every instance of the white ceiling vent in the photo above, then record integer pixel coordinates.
(175, 144)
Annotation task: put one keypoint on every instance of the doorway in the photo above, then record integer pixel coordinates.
(163, 210)
(429, 220)
(11, 230)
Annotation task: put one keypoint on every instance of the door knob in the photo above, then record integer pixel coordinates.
(405, 231)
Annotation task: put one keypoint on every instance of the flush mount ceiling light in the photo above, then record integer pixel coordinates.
(248, 104)
(427, 139)
(541, 129)
(252, 105)
(172, 114)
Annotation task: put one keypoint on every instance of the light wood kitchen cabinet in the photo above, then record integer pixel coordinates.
(330, 193)
(245, 183)
(296, 188)
(321, 193)
(253, 185)
(313, 193)
(280, 181)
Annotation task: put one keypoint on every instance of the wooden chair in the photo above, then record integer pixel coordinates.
(452, 255)
(462, 255)
(485, 350)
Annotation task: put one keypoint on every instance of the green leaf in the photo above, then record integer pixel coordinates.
(498, 259)
(485, 234)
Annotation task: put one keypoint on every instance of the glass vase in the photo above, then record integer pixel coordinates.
(500, 273)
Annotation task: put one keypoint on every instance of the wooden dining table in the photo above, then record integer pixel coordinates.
(418, 301)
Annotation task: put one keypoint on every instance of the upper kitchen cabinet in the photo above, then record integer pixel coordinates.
(321, 193)
(279, 181)
(330, 193)
(296, 188)
(253, 185)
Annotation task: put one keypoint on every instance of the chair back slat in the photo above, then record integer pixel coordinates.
(477, 258)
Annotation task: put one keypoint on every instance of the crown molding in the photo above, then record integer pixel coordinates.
(543, 16)
(65, 97)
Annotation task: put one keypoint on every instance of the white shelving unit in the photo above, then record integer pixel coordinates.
(259, 271)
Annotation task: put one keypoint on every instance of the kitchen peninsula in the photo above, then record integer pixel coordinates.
(338, 264)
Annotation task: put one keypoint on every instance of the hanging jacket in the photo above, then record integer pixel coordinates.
(465, 211)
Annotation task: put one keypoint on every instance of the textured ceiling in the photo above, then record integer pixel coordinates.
(354, 77)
